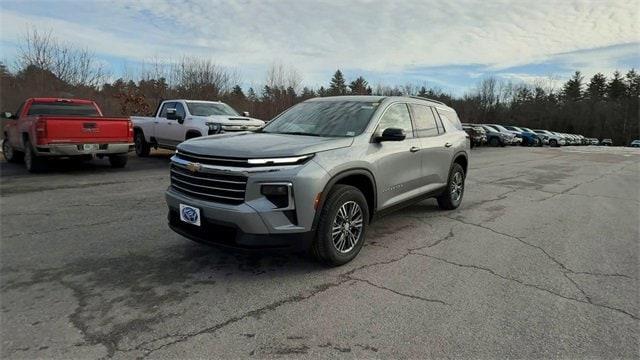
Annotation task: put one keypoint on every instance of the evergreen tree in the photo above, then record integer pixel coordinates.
(251, 95)
(360, 87)
(616, 88)
(307, 93)
(337, 85)
(323, 92)
(237, 92)
(597, 87)
(572, 89)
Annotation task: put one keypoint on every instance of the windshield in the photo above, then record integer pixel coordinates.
(62, 108)
(210, 109)
(324, 118)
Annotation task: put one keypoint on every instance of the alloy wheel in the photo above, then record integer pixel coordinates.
(346, 230)
(456, 186)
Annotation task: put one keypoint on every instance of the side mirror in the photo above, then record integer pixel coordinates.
(172, 114)
(392, 134)
(6, 115)
(245, 113)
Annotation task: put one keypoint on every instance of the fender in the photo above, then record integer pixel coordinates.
(339, 176)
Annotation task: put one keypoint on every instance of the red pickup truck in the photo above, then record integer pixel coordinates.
(48, 127)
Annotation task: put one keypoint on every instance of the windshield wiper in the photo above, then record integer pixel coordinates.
(296, 133)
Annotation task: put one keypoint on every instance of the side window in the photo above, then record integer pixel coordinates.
(441, 128)
(165, 106)
(424, 120)
(397, 116)
(449, 118)
(180, 110)
(17, 113)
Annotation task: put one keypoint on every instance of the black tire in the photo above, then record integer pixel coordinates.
(192, 134)
(142, 146)
(323, 246)
(118, 161)
(32, 162)
(10, 154)
(449, 199)
(495, 142)
(553, 143)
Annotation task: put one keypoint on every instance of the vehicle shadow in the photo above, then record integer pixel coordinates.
(156, 160)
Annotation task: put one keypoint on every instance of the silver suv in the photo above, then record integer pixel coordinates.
(316, 175)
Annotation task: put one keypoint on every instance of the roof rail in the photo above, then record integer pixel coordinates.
(424, 98)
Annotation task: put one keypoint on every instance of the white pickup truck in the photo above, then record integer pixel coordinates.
(179, 120)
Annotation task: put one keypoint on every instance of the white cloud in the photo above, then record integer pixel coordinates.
(379, 36)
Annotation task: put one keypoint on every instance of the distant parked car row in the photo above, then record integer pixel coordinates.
(503, 135)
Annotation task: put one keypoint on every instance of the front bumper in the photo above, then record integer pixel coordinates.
(79, 149)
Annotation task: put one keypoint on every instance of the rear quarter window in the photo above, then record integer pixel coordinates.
(449, 118)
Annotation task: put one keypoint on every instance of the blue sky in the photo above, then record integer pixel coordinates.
(450, 45)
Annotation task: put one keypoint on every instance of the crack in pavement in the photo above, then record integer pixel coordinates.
(401, 293)
(178, 338)
(508, 278)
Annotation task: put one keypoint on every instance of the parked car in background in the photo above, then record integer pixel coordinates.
(44, 128)
(179, 120)
(315, 176)
(635, 143)
(593, 141)
(496, 138)
(512, 138)
(606, 142)
(529, 138)
(477, 134)
(551, 138)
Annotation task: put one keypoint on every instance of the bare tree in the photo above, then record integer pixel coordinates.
(75, 66)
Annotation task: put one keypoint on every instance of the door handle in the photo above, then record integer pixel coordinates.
(448, 144)
(155, 122)
(414, 149)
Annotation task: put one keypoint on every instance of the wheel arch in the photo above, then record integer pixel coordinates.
(360, 178)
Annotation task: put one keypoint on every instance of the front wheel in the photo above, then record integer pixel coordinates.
(495, 142)
(10, 154)
(452, 196)
(553, 143)
(342, 227)
(118, 161)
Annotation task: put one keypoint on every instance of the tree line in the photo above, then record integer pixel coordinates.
(598, 107)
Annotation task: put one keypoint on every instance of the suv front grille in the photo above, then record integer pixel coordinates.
(212, 160)
(222, 188)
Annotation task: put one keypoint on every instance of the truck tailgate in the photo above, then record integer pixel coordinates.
(61, 129)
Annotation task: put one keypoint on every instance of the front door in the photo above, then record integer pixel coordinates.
(398, 164)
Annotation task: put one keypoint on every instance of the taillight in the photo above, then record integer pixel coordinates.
(41, 128)
(130, 130)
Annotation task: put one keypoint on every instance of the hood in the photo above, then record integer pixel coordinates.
(261, 145)
(229, 120)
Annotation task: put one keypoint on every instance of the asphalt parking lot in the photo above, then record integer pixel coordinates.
(541, 260)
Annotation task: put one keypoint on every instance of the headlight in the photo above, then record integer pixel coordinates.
(280, 161)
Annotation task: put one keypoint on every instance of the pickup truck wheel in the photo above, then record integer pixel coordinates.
(142, 146)
(342, 227)
(9, 153)
(118, 161)
(452, 197)
(32, 162)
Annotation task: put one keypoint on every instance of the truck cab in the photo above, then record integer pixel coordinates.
(178, 120)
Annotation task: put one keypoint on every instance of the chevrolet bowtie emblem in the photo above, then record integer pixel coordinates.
(194, 167)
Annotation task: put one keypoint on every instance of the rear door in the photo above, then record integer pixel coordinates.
(398, 162)
(432, 146)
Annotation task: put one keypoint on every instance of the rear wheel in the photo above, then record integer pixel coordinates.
(32, 162)
(452, 197)
(118, 161)
(10, 154)
(553, 143)
(342, 227)
(142, 146)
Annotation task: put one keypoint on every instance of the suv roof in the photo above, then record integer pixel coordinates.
(370, 98)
